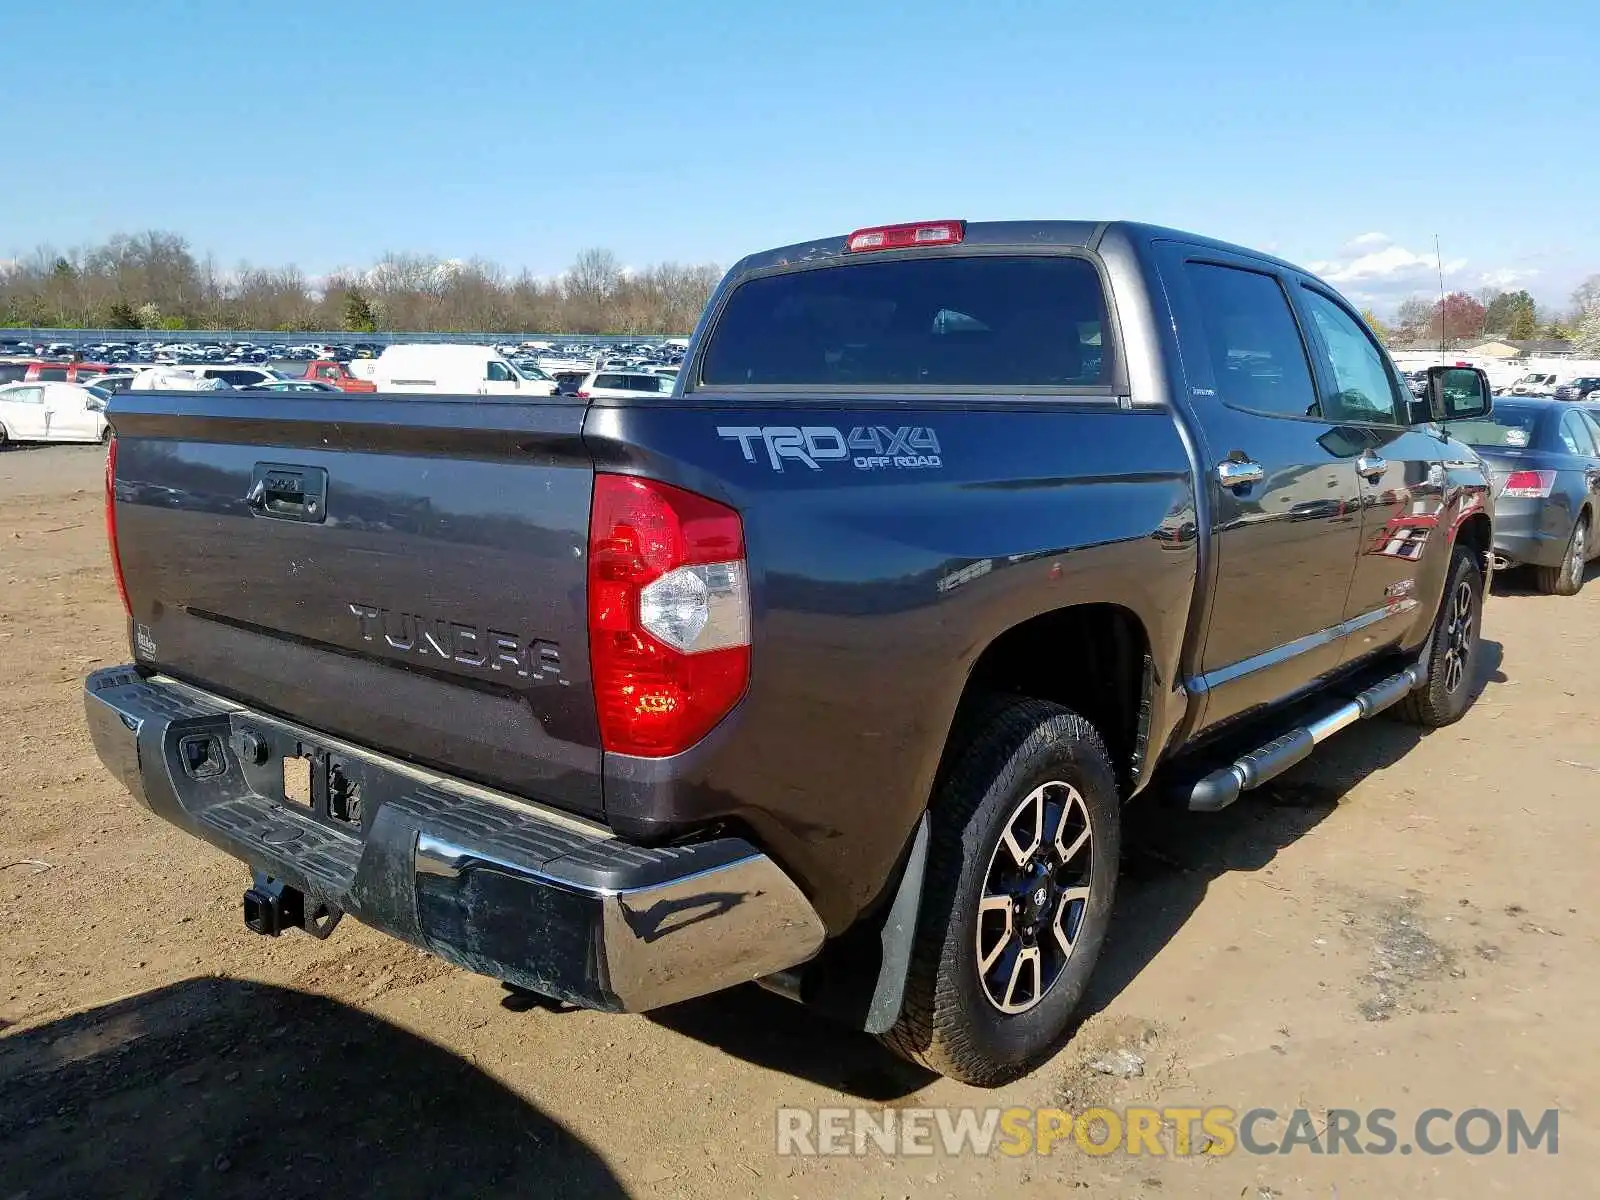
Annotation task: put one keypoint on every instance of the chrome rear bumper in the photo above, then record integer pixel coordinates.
(492, 883)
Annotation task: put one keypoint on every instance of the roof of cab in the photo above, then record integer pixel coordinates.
(1020, 234)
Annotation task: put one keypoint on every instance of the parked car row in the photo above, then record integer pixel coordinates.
(548, 355)
(1585, 386)
(118, 353)
(529, 368)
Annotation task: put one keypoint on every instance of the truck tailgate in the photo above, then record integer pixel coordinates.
(407, 573)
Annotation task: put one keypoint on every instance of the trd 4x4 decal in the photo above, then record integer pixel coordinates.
(866, 447)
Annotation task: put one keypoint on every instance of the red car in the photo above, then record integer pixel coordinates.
(60, 372)
(337, 373)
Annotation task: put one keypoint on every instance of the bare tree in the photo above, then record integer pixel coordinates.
(153, 279)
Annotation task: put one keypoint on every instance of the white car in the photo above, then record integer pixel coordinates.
(51, 412)
(625, 385)
(238, 375)
(454, 370)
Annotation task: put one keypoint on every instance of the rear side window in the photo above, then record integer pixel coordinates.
(1575, 434)
(1594, 429)
(617, 382)
(52, 375)
(1257, 357)
(964, 321)
(13, 372)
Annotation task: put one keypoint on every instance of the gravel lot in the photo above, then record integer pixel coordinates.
(1401, 923)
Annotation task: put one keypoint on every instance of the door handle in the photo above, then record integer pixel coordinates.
(1370, 466)
(1236, 474)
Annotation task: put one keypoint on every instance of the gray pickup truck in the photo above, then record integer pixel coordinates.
(834, 668)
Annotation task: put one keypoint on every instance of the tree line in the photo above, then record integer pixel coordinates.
(155, 281)
(1461, 317)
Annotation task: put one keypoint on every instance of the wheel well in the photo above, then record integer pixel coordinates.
(1093, 658)
(1477, 532)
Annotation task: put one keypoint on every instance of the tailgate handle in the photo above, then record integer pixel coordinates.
(288, 493)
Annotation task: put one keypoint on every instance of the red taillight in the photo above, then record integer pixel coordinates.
(669, 614)
(898, 237)
(1529, 485)
(582, 395)
(111, 523)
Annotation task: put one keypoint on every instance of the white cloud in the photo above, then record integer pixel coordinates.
(1375, 271)
(1507, 278)
(1384, 268)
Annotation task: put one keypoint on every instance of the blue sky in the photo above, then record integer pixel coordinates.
(1343, 135)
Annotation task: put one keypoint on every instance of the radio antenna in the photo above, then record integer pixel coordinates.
(1438, 258)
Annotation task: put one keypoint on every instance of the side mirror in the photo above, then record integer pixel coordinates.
(1458, 394)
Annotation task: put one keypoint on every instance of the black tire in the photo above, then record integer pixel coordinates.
(1013, 749)
(1446, 694)
(1567, 579)
(5, 439)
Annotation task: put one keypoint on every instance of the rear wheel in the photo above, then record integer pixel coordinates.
(1446, 693)
(5, 438)
(1566, 579)
(1020, 880)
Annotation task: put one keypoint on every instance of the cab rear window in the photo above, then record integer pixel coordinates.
(949, 321)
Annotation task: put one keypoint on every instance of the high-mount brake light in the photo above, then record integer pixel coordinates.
(899, 237)
(669, 614)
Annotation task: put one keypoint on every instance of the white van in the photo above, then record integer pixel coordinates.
(455, 370)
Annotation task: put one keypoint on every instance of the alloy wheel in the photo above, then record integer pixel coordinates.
(1458, 637)
(1035, 895)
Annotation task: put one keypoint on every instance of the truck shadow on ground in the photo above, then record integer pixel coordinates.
(223, 1088)
(770, 1031)
(1170, 856)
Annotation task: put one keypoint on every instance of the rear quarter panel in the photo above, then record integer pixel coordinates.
(876, 587)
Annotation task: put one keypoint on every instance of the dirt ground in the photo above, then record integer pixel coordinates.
(1404, 922)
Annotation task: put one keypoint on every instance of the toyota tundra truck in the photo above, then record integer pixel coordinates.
(833, 669)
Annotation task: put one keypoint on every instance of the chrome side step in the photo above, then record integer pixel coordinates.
(1222, 787)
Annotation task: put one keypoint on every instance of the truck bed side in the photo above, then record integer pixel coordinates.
(876, 591)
